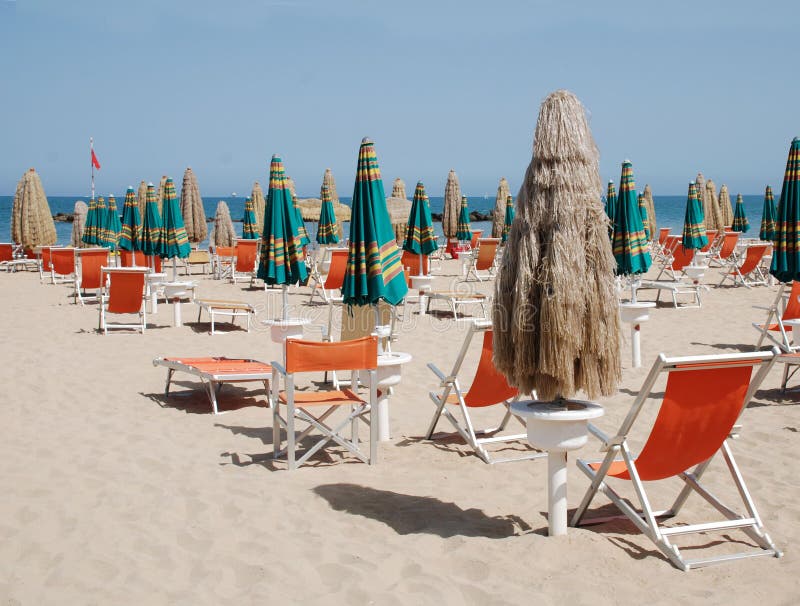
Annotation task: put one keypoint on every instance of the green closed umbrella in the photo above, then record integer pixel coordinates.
(740, 222)
(768, 216)
(643, 212)
(694, 227)
(509, 218)
(152, 231)
(130, 236)
(112, 226)
(250, 225)
(786, 251)
(374, 270)
(281, 262)
(93, 231)
(611, 201)
(302, 232)
(174, 240)
(327, 230)
(463, 228)
(629, 242)
(420, 238)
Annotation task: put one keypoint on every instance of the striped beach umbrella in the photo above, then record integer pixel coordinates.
(420, 238)
(786, 252)
(112, 225)
(740, 222)
(611, 201)
(694, 228)
(302, 232)
(629, 242)
(327, 229)
(130, 236)
(768, 216)
(95, 218)
(374, 270)
(250, 225)
(174, 241)
(645, 220)
(152, 229)
(281, 261)
(509, 218)
(463, 229)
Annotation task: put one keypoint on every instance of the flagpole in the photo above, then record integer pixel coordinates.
(91, 161)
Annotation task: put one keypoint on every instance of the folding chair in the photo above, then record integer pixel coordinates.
(313, 356)
(125, 296)
(712, 236)
(43, 256)
(90, 271)
(62, 266)
(483, 258)
(8, 259)
(222, 261)
(488, 388)
(786, 314)
(725, 253)
(659, 245)
(677, 258)
(749, 272)
(693, 424)
(332, 284)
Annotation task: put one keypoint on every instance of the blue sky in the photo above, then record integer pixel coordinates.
(678, 87)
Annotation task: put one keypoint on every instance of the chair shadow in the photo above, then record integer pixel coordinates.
(411, 514)
(205, 327)
(196, 401)
(454, 444)
(740, 347)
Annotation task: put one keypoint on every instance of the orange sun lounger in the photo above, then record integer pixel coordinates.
(215, 371)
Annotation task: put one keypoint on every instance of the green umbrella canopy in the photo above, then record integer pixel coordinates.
(786, 252)
(281, 259)
(643, 212)
(152, 231)
(768, 216)
(694, 229)
(740, 222)
(250, 226)
(113, 226)
(420, 238)
(611, 201)
(302, 232)
(509, 218)
(629, 242)
(91, 230)
(130, 236)
(174, 241)
(374, 270)
(464, 230)
(327, 230)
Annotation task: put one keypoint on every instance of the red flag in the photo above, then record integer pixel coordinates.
(95, 163)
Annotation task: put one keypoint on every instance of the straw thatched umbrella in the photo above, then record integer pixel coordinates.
(330, 183)
(162, 184)
(499, 213)
(130, 237)
(250, 230)
(399, 209)
(768, 216)
(78, 221)
(786, 251)
(223, 234)
(724, 205)
(452, 205)
(651, 211)
(141, 198)
(694, 229)
(740, 222)
(645, 219)
(292, 189)
(555, 312)
(31, 222)
(257, 195)
(192, 211)
(399, 189)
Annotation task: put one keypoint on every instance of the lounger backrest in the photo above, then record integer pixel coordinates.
(792, 309)
(92, 263)
(753, 258)
(308, 356)
(125, 292)
(336, 270)
(693, 422)
(413, 261)
(246, 255)
(153, 261)
(45, 256)
(130, 258)
(681, 257)
(62, 261)
(671, 243)
(6, 252)
(728, 244)
(489, 386)
(487, 248)
(476, 234)
(226, 251)
(711, 235)
(662, 235)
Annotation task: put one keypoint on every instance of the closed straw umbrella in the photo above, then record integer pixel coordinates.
(786, 251)
(707, 196)
(281, 262)
(399, 189)
(250, 229)
(174, 242)
(768, 217)
(645, 219)
(113, 226)
(78, 222)
(258, 205)
(651, 211)
(152, 230)
(464, 229)
(555, 311)
(740, 222)
(31, 222)
(130, 236)
(509, 219)
(725, 207)
(499, 213)
(141, 198)
(330, 183)
(629, 242)
(708, 213)
(161, 186)
(694, 229)
(420, 238)
(452, 206)
(224, 233)
(192, 211)
(327, 229)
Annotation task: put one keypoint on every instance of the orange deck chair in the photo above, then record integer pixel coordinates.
(784, 308)
(63, 263)
(223, 261)
(476, 235)
(488, 388)
(483, 258)
(711, 236)
(726, 253)
(131, 258)
(357, 355)
(90, 272)
(693, 425)
(244, 264)
(415, 263)
(749, 272)
(125, 296)
(677, 258)
(43, 255)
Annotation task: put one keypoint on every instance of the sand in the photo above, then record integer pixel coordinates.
(115, 495)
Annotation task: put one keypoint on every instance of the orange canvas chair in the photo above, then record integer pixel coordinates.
(357, 355)
(711, 236)
(154, 262)
(418, 265)
(677, 258)
(63, 263)
(90, 271)
(725, 254)
(330, 288)
(488, 388)
(222, 261)
(786, 312)
(9, 261)
(692, 426)
(129, 258)
(476, 235)
(244, 264)
(483, 258)
(749, 272)
(42, 253)
(125, 296)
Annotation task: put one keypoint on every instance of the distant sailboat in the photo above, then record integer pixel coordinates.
(233, 195)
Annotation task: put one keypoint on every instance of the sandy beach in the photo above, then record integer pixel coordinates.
(115, 495)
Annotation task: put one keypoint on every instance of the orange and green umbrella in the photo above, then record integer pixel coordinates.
(374, 269)
(509, 218)
(130, 236)
(694, 227)
(786, 251)
(174, 241)
(463, 228)
(768, 216)
(740, 222)
(250, 226)
(420, 237)
(327, 230)
(629, 241)
(112, 225)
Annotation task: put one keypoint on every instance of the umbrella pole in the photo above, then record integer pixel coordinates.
(285, 296)
(174, 269)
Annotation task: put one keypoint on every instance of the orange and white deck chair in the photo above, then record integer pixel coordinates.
(677, 257)
(90, 272)
(712, 236)
(42, 254)
(244, 265)
(488, 388)
(125, 295)
(360, 356)
(222, 261)
(660, 243)
(132, 258)
(63, 268)
(725, 253)
(749, 272)
(694, 423)
(785, 310)
(483, 258)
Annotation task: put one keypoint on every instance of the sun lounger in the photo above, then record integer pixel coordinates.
(483, 258)
(749, 273)
(786, 311)
(125, 295)
(10, 262)
(198, 257)
(214, 372)
(676, 288)
(246, 261)
(231, 309)
(694, 423)
(457, 299)
(90, 271)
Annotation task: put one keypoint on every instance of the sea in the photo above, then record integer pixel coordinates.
(670, 211)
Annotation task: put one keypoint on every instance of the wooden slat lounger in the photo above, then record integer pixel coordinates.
(455, 299)
(219, 307)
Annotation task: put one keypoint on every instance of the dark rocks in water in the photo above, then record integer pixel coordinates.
(64, 217)
(477, 215)
(436, 216)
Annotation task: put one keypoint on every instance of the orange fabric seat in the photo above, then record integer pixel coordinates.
(324, 398)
